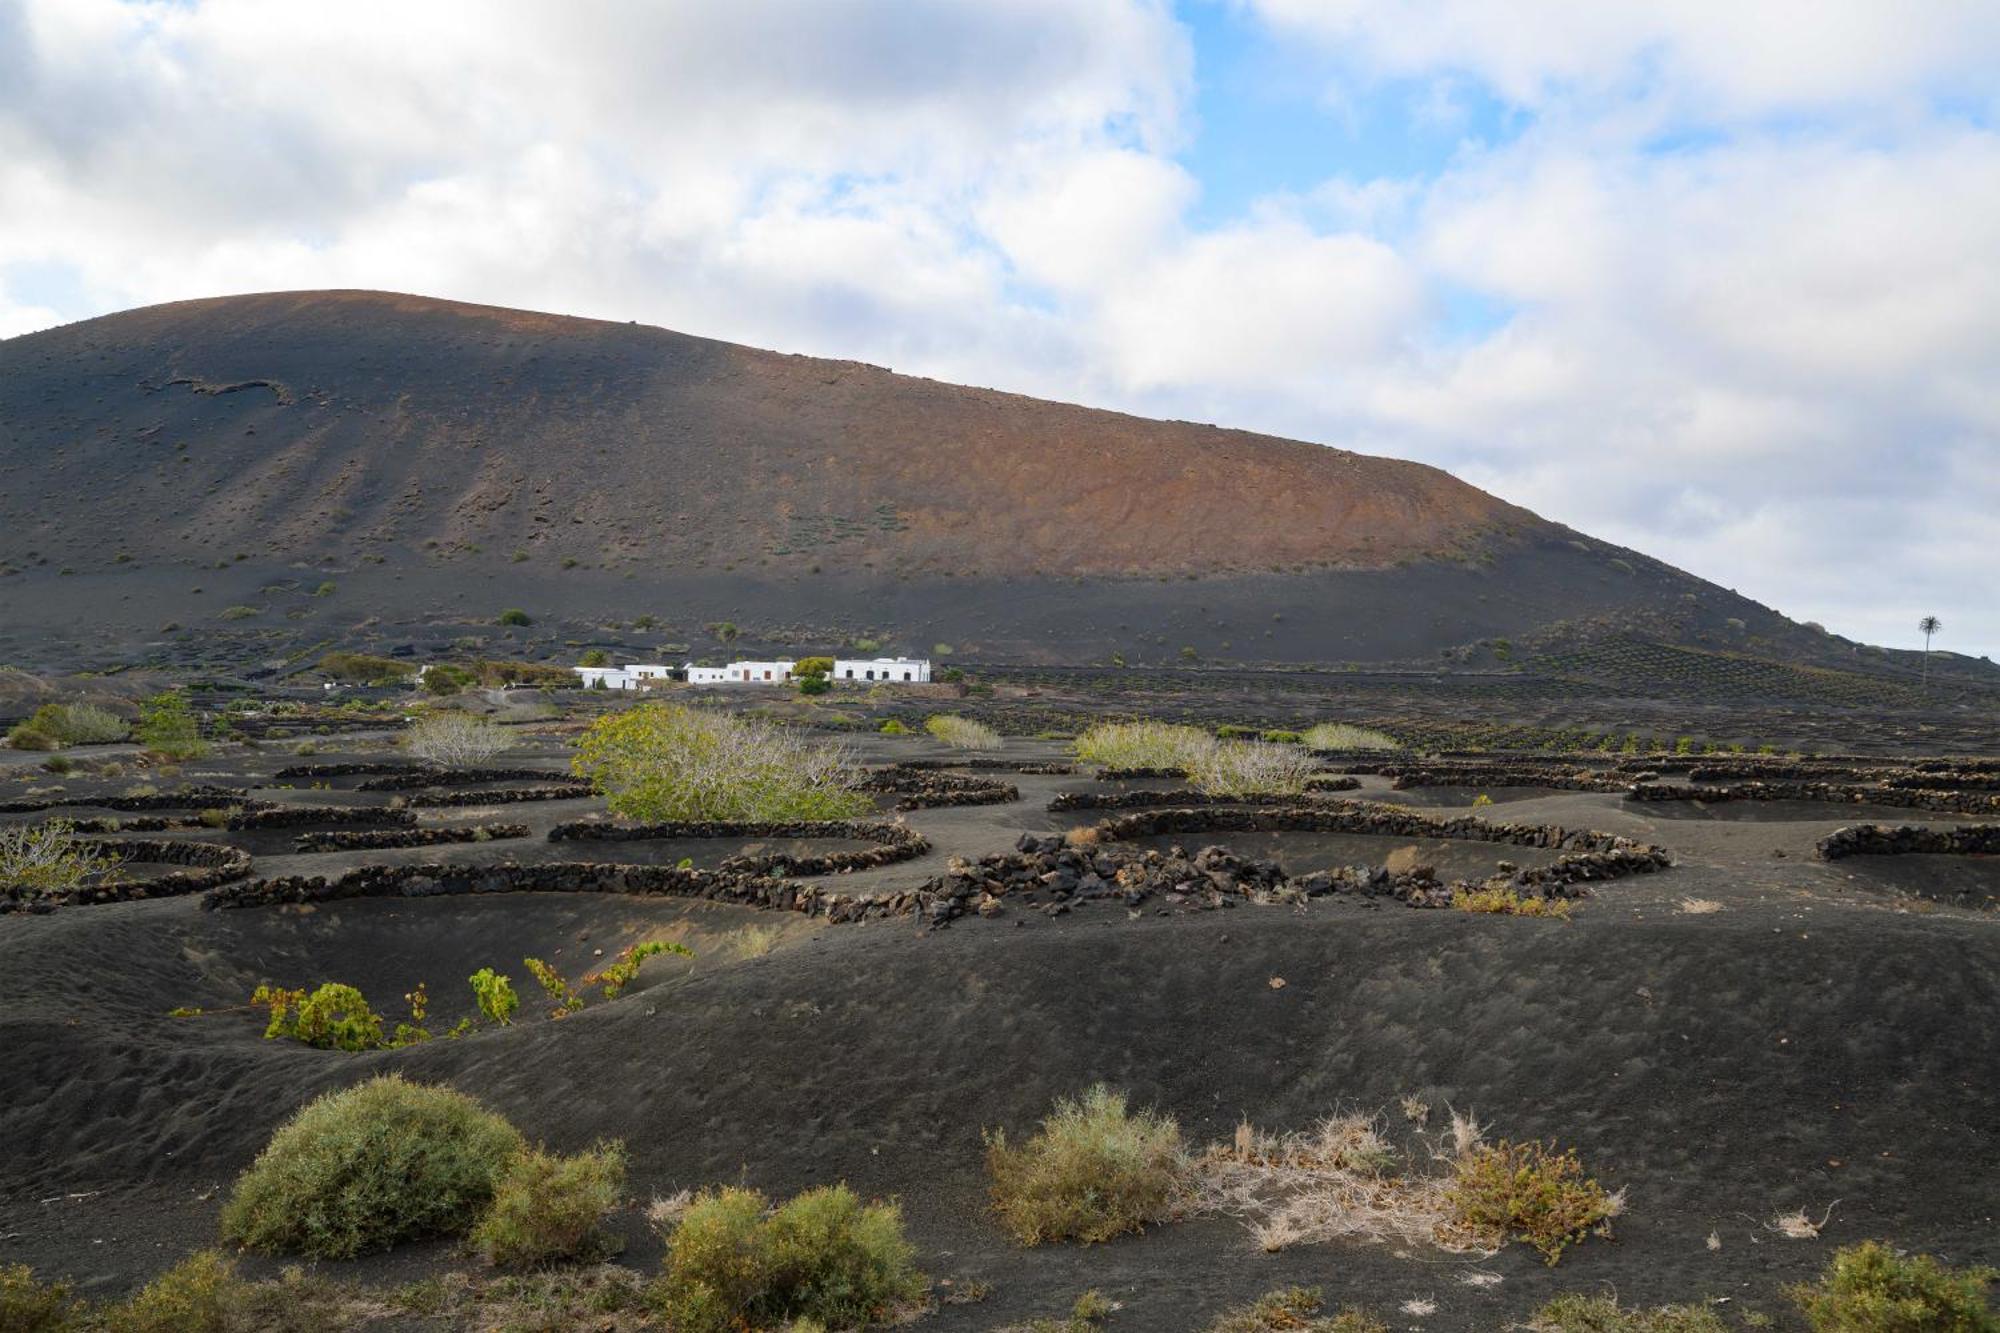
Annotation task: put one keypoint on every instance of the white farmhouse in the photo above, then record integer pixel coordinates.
(700, 675)
(622, 678)
(914, 669)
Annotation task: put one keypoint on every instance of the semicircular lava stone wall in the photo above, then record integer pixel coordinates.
(926, 789)
(1951, 802)
(365, 840)
(1885, 840)
(894, 841)
(210, 865)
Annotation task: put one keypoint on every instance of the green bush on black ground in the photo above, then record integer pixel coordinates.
(735, 1262)
(1093, 1171)
(514, 615)
(362, 1169)
(1872, 1288)
(201, 1294)
(167, 724)
(365, 669)
(550, 1209)
(29, 1306)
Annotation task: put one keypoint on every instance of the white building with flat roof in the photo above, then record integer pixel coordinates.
(622, 678)
(912, 669)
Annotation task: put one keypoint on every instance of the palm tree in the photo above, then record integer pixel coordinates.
(1929, 625)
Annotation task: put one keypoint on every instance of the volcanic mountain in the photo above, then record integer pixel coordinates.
(306, 467)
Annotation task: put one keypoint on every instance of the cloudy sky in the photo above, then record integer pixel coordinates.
(1714, 279)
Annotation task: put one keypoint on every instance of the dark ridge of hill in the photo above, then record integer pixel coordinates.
(419, 464)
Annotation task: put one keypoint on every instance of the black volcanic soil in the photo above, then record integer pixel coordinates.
(1811, 1037)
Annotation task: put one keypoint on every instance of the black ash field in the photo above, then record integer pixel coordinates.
(1752, 1033)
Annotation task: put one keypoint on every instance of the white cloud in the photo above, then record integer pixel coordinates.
(1745, 270)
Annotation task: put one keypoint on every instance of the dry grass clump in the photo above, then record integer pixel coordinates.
(1509, 902)
(665, 761)
(548, 1208)
(962, 733)
(1247, 768)
(48, 858)
(1871, 1288)
(1574, 1313)
(1343, 1180)
(1294, 1310)
(1699, 906)
(1336, 1181)
(735, 1262)
(1093, 1171)
(1798, 1224)
(1143, 745)
(456, 740)
(1531, 1193)
(1341, 736)
(361, 1169)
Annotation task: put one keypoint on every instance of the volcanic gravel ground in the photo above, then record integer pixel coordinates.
(1751, 1032)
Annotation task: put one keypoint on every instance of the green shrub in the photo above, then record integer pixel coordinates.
(1341, 736)
(28, 1306)
(664, 761)
(167, 724)
(1871, 1288)
(513, 615)
(47, 857)
(1293, 1310)
(1092, 1172)
(813, 666)
(548, 1208)
(236, 613)
(962, 733)
(733, 1262)
(26, 736)
(201, 1294)
(495, 996)
(334, 1017)
(1142, 745)
(596, 657)
(1574, 1313)
(365, 669)
(814, 685)
(55, 725)
(1531, 1193)
(446, 679)
(1284, 737)
(361, 1169)
(894, 727)
(1509, 902)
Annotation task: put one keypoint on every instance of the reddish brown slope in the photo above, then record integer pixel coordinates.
(307, 425)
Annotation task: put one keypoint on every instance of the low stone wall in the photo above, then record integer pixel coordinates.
(1052, 876)
(459, 777)
(187, 798)
(1142, 800)
(1884, 840)
(566, 791)
(298, 816)
(343, 770)
(1333, 784)
(1131, 774)
(430, 881)
(1945, 779)
(926, 789)
(1954, 802)
(995, 765)
(1505, 775)
(1361, 817)
(209, 865)
(894, 842)
(365, 840)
